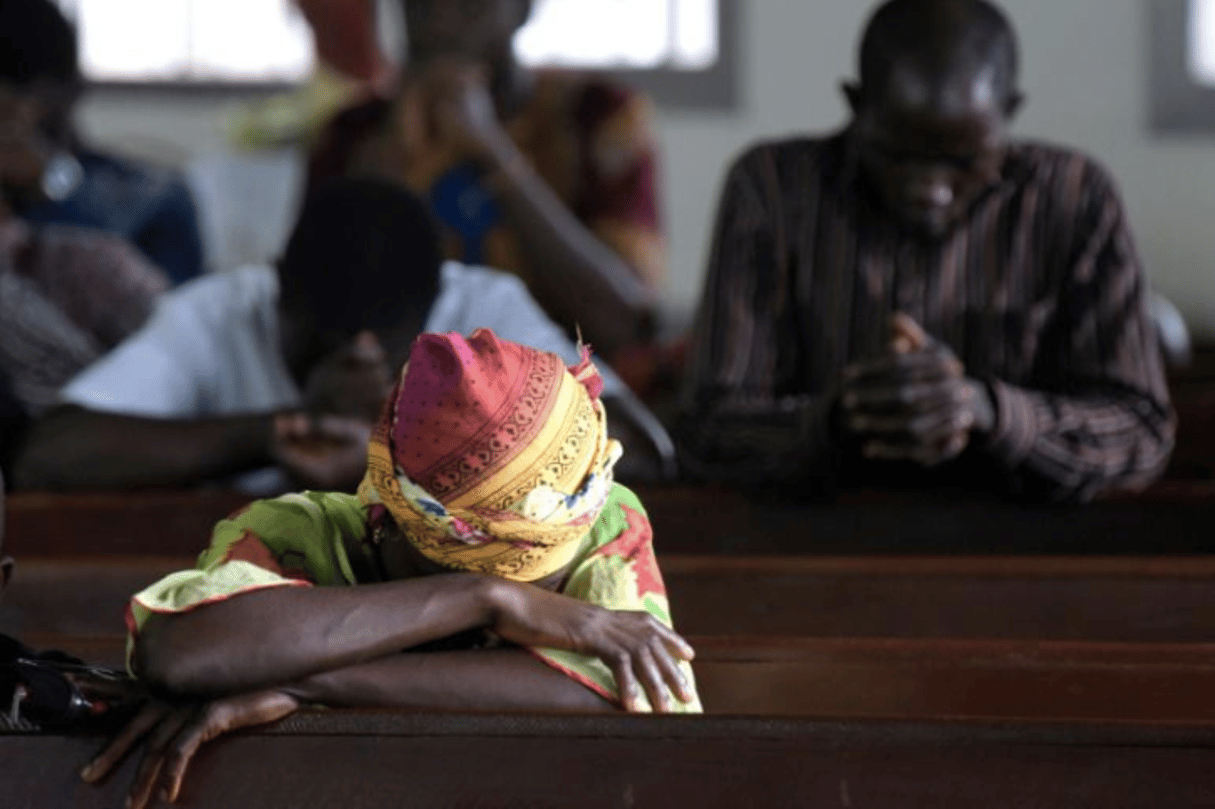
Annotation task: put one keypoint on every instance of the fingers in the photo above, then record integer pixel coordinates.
(148, 775)
(906, 335)
(113, 754)
(626, 682)
(935, 420)
(672, 675)
(674, 641)
(341, 429)
(651, 666)
(936, 363)
(652, 680)
(925, 454)
(917, 396)
(213, 720)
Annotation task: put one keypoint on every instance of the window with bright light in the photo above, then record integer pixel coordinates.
(674, 48)
(629, 34)
(1181, 66)
(191, 40)
(1202, 41)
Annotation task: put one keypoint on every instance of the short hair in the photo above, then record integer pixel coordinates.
(36, 43)
(365, 254)
(977, 33)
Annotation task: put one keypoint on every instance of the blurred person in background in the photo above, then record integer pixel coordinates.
(48, 175)
(920, 301)
(281, 371)
(549, 175)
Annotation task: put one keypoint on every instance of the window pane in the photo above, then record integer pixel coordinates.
(695, 34)
(1202, 41)
(597, 33)
(269, 40)
(260, 40)
(133, 39)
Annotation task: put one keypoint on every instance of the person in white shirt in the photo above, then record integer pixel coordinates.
(284, 367)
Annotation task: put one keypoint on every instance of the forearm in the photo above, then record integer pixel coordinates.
(268, 637)
(574, 274)
(1061, 447)
(490, 680)
(76, 448)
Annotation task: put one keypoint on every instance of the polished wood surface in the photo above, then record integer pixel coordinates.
(917, 678)
(173, 523)
(1150, 599)
(1173, 517)
(433, 760)
(1153, 599)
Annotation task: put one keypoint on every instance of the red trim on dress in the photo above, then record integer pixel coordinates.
(573, 675)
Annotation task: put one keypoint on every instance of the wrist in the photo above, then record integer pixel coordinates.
(982, 407)
(494, 597)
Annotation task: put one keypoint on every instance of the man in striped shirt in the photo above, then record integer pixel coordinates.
(919, 301)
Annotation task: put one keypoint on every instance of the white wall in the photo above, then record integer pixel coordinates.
(1085, 76)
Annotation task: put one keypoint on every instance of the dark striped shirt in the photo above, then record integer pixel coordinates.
(1039, 292)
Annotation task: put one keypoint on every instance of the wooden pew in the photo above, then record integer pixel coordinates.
(1129, 599)
(164, 523)
(919, 678)
(448, 760)
(78, 595)
(1172, 518)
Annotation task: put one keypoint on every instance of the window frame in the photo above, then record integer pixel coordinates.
(1179, 103)
(716, 88)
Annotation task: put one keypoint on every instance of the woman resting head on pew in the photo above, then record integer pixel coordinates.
(487, 538)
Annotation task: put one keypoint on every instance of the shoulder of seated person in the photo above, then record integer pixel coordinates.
(810, 147)
(476, 275)
(249, 288)
(1033, 160)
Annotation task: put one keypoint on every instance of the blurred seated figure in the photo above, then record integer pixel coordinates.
(548, 175)
(67, 295)
(289, 366)
(48, 176)
(919, 301)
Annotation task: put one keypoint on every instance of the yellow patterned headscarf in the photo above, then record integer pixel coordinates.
(492, 457)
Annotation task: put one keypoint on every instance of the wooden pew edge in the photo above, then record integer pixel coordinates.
(339, 723)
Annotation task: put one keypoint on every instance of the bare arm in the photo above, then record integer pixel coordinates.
(490, 680)
(268, 637)
(575, 275)
(72, 448)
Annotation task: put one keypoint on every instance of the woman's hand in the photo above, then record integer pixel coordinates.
(175, 732)
(642, 652)
(325, 452)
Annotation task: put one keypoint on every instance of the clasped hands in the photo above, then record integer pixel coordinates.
(324, 446)
(915, 402)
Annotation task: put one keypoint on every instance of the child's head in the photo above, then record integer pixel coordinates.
(492, 457)
(364, 256)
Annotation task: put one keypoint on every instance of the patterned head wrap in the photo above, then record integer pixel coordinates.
(492, 457)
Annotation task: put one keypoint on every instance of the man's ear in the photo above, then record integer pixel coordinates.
(854, 93)
(1012, 106)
